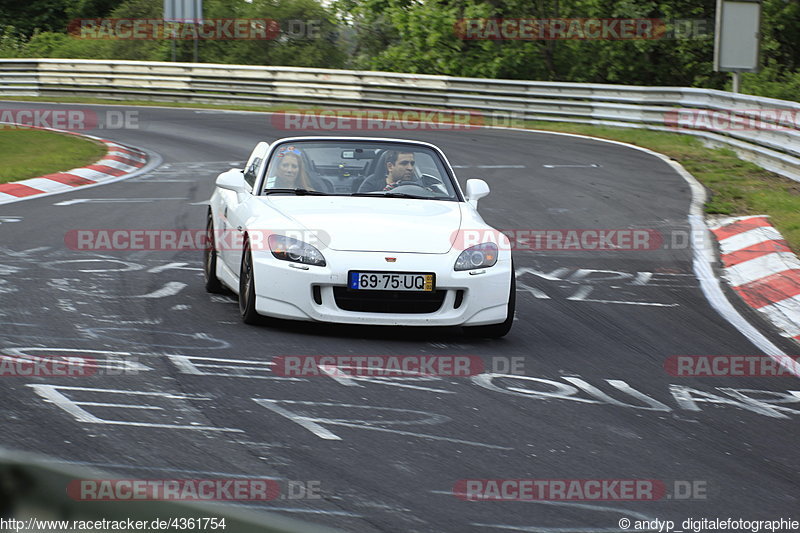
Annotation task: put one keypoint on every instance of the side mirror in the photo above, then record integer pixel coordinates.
(476, 189)
(233, 180)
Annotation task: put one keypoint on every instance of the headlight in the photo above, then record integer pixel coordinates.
(289, 249)
(478, 256)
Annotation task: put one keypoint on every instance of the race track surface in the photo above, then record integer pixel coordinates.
(592, 334)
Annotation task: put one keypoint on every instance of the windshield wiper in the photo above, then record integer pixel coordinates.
(390, 194)
(298, 192)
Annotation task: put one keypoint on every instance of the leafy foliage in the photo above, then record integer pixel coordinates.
(422, 36)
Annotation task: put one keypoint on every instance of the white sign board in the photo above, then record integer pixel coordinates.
(183, 10)
(736, 44)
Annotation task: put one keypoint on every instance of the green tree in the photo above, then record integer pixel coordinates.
(31, 15)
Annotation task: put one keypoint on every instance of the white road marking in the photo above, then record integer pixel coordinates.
(113, 200)
(170, 266)
(128, 266)
(170, 289)
(119, 322)
(552, 276)
(766, 403)
(688, 398)
(620, 302)
(586, 275)
(233, 368)
(111, 362)
(53, 394)
(6, 270)
(338, 374)
(654, 404)
(313, 423)
(581, 293)
(533, 290)
(23, 254)
(303, 421)
(111, 333)
(591, 165)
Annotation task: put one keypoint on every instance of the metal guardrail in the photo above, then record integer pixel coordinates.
(33, 489)
(775, 147)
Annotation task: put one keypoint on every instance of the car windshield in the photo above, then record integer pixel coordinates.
(358, 168)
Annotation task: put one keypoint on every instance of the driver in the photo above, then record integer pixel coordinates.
(400, 169)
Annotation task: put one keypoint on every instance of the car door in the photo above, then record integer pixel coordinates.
(235, 209)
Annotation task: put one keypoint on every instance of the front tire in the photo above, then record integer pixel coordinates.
(212, 283)
(247, 288)
(495, 331)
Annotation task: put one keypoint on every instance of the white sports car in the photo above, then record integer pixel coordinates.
(358, 231)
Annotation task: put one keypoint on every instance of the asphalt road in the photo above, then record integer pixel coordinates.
(592, 334)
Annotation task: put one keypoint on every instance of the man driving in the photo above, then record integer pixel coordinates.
(400, 169)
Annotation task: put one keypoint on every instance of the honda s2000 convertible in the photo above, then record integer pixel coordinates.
(358, 231)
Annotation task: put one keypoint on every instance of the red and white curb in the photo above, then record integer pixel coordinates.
(762, 269)
(119, 161)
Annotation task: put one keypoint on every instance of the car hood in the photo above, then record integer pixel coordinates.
(375, 224)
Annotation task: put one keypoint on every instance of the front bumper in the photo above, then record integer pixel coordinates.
(306, 292)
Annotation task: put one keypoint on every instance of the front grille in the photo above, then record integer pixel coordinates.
(388, 301)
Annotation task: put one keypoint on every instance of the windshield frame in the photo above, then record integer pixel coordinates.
(260, 189)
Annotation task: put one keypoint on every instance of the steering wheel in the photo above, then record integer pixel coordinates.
(412, 188)
(408, 183)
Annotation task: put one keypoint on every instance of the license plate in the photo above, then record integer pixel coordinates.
(391, 281)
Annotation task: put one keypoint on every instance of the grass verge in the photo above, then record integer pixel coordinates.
(736, 187)
(27, 153)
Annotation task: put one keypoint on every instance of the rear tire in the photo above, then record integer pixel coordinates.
(247, 288)
(212, 283)
(495, 331)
